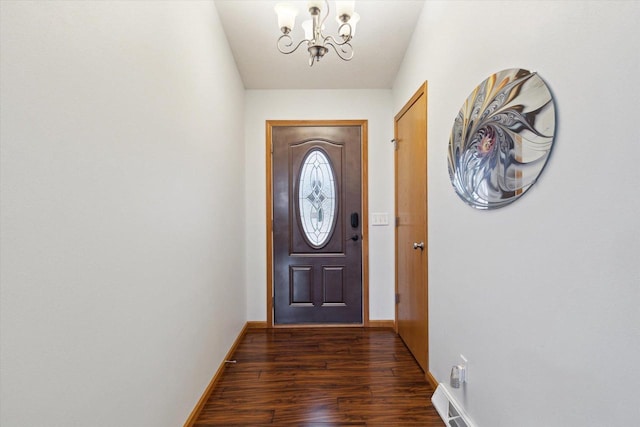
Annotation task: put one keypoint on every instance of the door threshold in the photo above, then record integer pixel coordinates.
(318, 325)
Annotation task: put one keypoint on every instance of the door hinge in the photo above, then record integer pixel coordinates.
(273, 301)
(397, 298)
(271, 147)
(397, 221)
(395, 143)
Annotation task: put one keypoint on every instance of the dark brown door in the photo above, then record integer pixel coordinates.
(317, 238)
(411, 229)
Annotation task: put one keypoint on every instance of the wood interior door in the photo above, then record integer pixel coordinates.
(317, 224)
(411, 226)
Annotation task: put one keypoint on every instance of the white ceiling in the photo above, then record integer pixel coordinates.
(381, 39)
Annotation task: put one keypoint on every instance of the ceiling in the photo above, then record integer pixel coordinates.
(252, 30)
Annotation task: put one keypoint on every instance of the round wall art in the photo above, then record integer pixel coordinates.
(501, 138)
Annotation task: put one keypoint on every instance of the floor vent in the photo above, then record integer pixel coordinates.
(448, 408)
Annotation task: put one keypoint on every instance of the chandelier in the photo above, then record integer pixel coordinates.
(317, 43)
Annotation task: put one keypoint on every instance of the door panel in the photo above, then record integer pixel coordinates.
(411, 227)
(317, 267)
(301, 282)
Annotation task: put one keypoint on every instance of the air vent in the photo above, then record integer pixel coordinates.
(455, 419)
(448, 409)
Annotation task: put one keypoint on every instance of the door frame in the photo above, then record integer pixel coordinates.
(270, 124)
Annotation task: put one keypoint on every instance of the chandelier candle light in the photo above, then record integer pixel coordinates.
(317, 43)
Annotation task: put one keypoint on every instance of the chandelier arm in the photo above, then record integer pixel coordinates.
(346, 55)
(289, 43)
(332, 40)
(347, 37)
(325, 16)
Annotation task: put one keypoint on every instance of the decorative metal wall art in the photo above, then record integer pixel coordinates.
(501, 138)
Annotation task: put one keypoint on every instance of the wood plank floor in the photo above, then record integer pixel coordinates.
(321, 377)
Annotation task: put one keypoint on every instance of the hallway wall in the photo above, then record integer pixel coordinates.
(122, 279)
(373, 105)
(542, 296)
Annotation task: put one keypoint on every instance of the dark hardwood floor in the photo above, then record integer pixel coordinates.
(321, 377)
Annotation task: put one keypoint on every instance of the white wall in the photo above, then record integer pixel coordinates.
(542, 296)
(122, 233)
(372, 105)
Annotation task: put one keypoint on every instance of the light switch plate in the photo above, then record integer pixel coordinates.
(379, 218)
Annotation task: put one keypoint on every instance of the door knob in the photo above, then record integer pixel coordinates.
(355, 238)
(418, 246)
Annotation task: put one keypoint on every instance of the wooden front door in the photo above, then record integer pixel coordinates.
(317, 224)
(411, 226)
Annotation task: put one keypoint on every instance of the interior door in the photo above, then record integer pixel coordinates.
(317, 224)
(411, 226)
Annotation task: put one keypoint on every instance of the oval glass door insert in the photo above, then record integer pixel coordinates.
(317, 199)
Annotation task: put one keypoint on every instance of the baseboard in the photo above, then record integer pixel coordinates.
(256, 324)
(432, 380)
(382, 324)
(216, 377)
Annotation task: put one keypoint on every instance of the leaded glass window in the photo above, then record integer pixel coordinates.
(317, 197)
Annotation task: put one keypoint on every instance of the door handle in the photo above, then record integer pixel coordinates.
(418, 246)
(355, 238)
